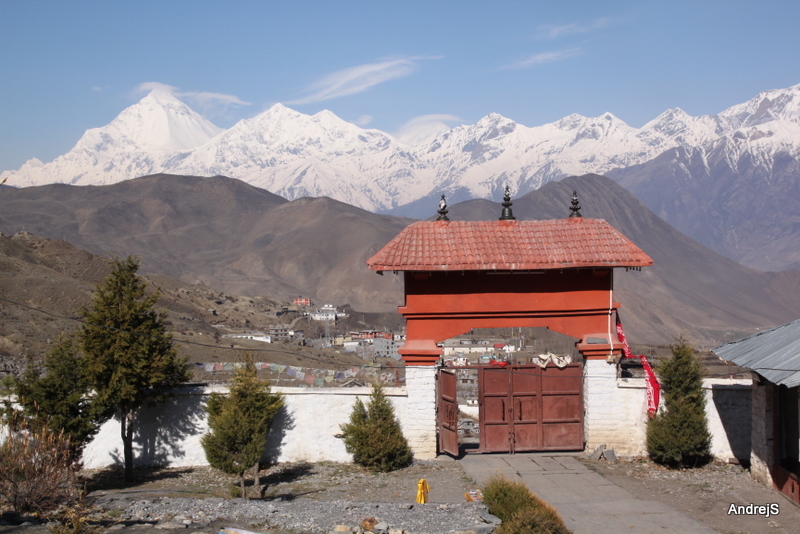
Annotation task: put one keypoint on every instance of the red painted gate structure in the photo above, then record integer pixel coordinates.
(460, 275)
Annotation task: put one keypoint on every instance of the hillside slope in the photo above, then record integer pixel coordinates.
(243, 240)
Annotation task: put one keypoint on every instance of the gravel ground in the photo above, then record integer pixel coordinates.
(303, 515)
(313, 498)
(298, 498)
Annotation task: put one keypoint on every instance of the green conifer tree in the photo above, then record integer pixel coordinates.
(239, 423)
(679, 435)
(356, 433)
(57, 396)
(128, 350)
(374, 436)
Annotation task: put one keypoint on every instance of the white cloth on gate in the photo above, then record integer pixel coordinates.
(559, 361)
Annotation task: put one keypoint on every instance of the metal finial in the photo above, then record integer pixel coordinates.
(442, 210)
(576, 206)
(506, 215)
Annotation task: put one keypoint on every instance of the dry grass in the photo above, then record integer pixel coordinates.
(36, 470)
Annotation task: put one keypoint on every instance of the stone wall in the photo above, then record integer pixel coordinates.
(419, 418)
(762, 455)
(729, 409)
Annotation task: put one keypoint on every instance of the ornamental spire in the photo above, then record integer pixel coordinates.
(506, 215)
(442, 210)
(576, 207)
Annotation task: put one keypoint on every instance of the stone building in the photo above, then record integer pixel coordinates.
(774, 358)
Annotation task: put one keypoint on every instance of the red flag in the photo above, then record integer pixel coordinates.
(651, 382)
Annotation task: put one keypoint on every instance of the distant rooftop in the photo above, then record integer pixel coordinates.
(508, 245)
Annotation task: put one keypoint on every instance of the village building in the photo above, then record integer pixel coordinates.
(387, 347)
(774, 358)
(254, 336)
(327, 312)
(281, 332)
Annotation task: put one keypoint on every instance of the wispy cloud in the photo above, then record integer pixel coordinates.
(544, 57)
(554, 32)
(146, 87)
(201, 99)
(363, 120)
(424, 128)
(358, 79)
(214, 99)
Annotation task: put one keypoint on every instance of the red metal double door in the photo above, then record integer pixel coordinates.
(530, 408)
(522, 408)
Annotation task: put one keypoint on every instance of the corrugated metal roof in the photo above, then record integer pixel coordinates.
(508, 245)
(774, 354)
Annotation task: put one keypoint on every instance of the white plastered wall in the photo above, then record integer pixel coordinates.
(616, 412)
(169, 434)
(615, 415)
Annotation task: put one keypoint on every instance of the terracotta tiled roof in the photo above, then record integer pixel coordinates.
(508, 245)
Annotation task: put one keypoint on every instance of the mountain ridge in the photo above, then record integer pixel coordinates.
(295, 155)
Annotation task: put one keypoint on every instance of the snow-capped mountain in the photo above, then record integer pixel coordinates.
(296, 155)
(143, 139)
(736, 189)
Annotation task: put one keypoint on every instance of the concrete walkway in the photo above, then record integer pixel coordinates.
(587, 502)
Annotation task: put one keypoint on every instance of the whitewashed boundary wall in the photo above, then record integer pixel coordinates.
(169, 434)
(305, 430)
(616, 412)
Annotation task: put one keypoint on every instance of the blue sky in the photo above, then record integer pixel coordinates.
(72, 65)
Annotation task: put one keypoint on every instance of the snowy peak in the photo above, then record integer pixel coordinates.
(580, 127)
(158, 122)
(489, 127)
(776, 104)
(141, 140)
(685, 130)
(280, 133)
(498, 125)
(602, 127)
(492, 120)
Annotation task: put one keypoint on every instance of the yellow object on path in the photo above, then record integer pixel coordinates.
(422, 491)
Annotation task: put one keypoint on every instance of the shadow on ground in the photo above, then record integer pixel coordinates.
(113, 478)
(287, 475)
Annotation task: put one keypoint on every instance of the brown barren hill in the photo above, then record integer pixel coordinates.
(242, 240)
